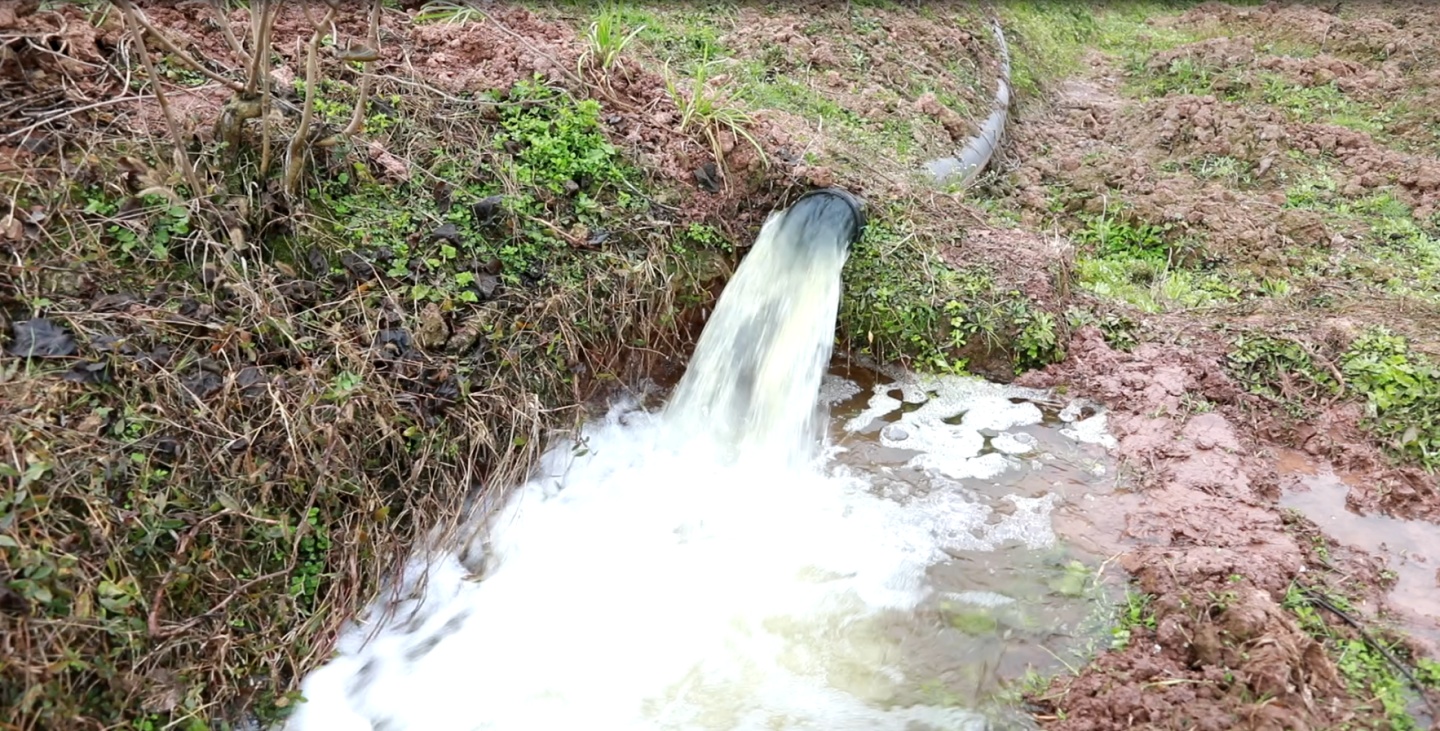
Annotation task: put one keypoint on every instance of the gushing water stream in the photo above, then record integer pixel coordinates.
(712, 566)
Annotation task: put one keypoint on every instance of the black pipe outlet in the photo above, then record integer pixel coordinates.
(830, 208)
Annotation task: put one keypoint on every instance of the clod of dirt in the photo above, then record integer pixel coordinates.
(356, 266)
(302, 292)
(486, 285)
(251, 382)
(40, 338)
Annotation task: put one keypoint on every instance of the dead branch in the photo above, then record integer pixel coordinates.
(139, 18)
(182, 159)
(260, 73)
(295, 152)
(357, 120)
(222, 20)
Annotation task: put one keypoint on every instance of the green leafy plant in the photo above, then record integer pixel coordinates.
(1135, 614)
(1403, 393)
(1280, 368)
(1363, 664)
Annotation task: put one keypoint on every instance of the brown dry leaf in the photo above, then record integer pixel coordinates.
(11, 228)
(392, 166)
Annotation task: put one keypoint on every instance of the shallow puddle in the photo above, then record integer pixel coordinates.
(1018, 592)
(1410, 548)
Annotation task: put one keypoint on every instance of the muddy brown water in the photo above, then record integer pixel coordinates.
(1014, 610)
(1410, 548)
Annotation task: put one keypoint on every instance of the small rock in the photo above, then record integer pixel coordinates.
(88, 372)
(486, 285)
(299, 291)
(464, 338)
(393, 342)
(819, 176)
(202, 383)
(251, 382)
(357, 266)
(12, 228)
(316, 261)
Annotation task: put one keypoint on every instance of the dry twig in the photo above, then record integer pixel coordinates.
(295, 152)
(357, 120)
(182, 159)
(134, 15)
(224, 22)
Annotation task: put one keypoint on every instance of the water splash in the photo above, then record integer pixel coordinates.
(751, 386)
(701, 568)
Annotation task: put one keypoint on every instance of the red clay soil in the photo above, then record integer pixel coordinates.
(1203, 531)
(1204, 535)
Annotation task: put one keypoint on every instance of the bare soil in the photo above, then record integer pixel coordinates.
(1203, 531)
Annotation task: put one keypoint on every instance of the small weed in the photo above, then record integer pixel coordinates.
(1401, 388)
(1276, 287)
(1280, 368)
(147, 234)
(1135, 614)
(1038, 344)
(548, 148)
(1119, 330)
(1223, 169)
(1111, 236)
(606, 40)
(901, 302)
(1145, 265)
(311, 561)
(1368, 673)
(445, 11)
(1321, 103)
(710, 112)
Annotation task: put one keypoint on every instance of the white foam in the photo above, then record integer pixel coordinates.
(834, 389)
(948, 427)
(1094, 430)
(1014, 443)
